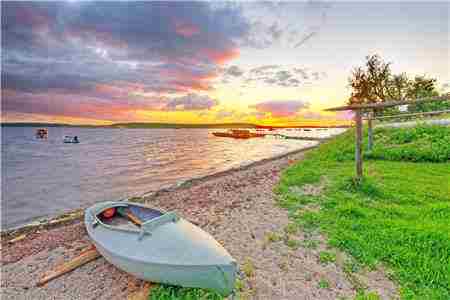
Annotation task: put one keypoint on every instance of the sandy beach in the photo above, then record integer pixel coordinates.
(238, 208)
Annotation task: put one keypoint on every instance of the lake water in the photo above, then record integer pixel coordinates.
(47, 177)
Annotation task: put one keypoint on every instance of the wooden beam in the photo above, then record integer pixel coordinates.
(427, 113)
(84, 257)
(358, 145)
(389, 103)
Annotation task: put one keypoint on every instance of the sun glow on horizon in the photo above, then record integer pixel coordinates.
(275, 63)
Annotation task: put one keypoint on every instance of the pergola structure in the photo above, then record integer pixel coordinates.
(370, 108)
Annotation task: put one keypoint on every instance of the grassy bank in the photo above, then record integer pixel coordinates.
(398, 216)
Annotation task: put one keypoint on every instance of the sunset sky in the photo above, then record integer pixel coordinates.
(96, 62)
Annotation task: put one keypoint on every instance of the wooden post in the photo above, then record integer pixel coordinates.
(370, 131)
(358, 145)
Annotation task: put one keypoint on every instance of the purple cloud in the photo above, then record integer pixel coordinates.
(282, 108)
(100, 52)
(191, 102)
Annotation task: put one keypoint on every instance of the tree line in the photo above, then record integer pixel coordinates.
(375, 82)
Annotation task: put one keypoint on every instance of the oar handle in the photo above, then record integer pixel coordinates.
(133, 218)
(127, 213)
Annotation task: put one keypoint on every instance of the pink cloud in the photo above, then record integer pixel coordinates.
(186, 80)
(220, 56)
(344, 115)
(57, 103)
(54, 103)
(281, 109)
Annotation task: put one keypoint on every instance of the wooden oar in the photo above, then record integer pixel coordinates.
(127, 213)
(84, 257)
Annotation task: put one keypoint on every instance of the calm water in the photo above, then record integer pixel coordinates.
(46, 177)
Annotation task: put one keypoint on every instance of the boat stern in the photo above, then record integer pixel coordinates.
(227, 284)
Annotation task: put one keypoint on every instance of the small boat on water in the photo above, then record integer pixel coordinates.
(71, 139)
(239, 134)
(41, 133)
(159, 246)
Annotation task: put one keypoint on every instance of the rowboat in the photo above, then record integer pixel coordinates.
(163, 248)
(71, 139)
(238, 134)
(41, 133)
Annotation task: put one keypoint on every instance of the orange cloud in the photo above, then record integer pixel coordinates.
(220, 56)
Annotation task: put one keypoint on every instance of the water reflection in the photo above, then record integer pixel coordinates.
(45, 177)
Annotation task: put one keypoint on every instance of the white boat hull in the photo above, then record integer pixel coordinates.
(176, 253)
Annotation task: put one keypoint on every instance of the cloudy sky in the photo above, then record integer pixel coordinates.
(280, 62)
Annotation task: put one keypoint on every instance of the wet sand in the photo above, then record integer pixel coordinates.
(237, 207)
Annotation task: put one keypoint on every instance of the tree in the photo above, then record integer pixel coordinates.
(422, 87)
(370, 85)
(398, 87)
(375, 83)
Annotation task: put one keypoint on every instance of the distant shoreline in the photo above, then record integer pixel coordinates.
(165, 125)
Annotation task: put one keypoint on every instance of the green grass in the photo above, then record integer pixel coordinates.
(166, 292)
(323, 284)
(423, 143)
(398, 216)
(367, 296)
(326, 257)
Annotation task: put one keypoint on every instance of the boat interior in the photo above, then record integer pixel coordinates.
(130, 216)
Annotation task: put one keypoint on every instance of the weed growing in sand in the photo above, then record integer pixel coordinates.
(248, 268)
(326, 257)
(351, 266)
(272, 237)
(311, 244)
(136, 199)
(324, 284)
(293, 244)
(243, 291)
(291, 228)
(239, 285)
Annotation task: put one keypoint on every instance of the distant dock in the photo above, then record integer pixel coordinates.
(301, 138)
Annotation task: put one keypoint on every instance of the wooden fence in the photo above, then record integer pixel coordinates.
(369, 108)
